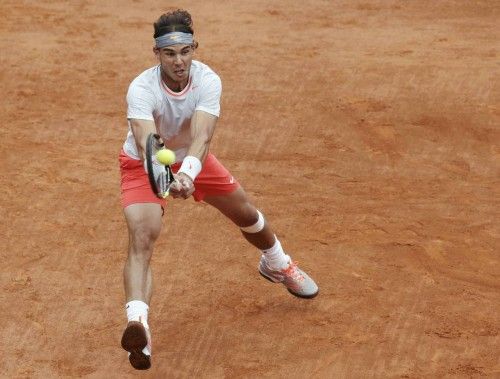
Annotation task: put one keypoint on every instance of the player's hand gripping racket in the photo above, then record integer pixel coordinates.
(160, 175)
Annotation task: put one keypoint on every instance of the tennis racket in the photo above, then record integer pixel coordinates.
(160, 176)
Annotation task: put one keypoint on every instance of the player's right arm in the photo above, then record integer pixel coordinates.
(141, 130)
(141, 102)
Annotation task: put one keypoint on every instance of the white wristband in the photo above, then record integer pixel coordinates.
(191, 166)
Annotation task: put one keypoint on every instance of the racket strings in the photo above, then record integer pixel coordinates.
(159, 175)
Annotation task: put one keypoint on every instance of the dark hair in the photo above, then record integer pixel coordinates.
(177, 20)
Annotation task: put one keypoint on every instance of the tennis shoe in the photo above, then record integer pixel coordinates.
(136, 340)
(296, 281)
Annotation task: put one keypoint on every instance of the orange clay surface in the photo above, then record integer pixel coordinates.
(366, 131)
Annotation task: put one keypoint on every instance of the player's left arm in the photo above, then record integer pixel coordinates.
(205, 116)
(202, 129)
(202, 126)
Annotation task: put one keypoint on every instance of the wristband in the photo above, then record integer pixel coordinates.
(191, 166)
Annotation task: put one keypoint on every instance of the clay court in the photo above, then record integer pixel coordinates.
(366, 131)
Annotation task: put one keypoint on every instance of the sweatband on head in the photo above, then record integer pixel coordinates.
(174, 38)
(257, 227)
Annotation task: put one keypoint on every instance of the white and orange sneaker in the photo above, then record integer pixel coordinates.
(296, 281)
(136, 340)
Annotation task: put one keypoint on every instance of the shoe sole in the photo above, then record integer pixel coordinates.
(289, 290)
(134, 339)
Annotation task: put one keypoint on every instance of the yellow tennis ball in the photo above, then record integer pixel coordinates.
(165, 156)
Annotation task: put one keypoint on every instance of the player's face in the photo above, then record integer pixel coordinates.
(175, 61)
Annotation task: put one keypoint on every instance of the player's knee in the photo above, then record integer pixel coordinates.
(256, 225)
(142, 240)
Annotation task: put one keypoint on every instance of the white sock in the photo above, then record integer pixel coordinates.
(275, 257)
(137, 311)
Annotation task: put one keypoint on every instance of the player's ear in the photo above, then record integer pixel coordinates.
(156, 51)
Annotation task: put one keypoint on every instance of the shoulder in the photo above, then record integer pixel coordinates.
(148, 79)
(145, 87)
(203, 74)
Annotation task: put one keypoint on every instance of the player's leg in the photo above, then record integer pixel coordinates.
(275, 265)
(143, 212)
(256, 230)
(238, 208)
(144, 226)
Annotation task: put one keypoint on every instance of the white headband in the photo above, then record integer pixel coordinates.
(174, 38)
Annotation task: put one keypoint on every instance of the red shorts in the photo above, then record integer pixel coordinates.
(214, 179)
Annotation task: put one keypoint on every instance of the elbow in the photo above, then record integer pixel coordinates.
(206, 138)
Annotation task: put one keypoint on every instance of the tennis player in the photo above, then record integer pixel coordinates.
(180, 100)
